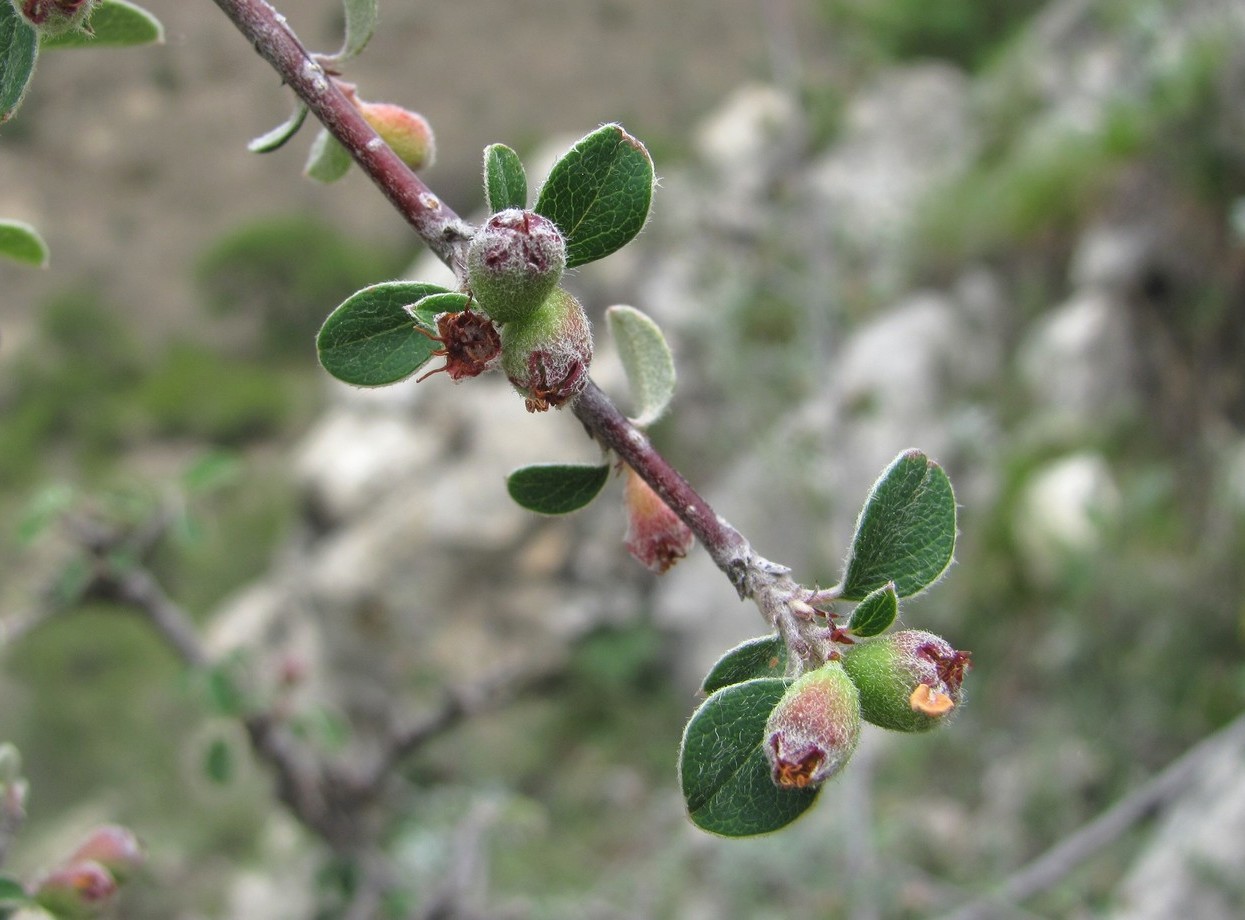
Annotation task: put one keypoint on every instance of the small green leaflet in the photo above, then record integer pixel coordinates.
(22, 243)
(12, 891)
(906, 531)
(647, 360)
(371, 339)
(765, 656)
(505, 182)
(328, 160)
(116, 24)
(278, 136)
(599, 194)
(19, 48)
(361, 16)
(440, 302)
(555, 488)
(723, 768)
(875, 614)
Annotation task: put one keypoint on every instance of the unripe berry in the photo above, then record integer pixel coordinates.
(515, 261)
(407, 133)
(812, 732)
(113, 847)
(546, 355)
(909, 681)
(75, 891)
(55, 17)
(655, 536)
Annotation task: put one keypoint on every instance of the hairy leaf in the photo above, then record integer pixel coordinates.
(22, 243)
(19, 47)
(371, 339)
(114, 23)
(361, 16)
(554, 488)
(906, 531)
(765, 656)
(647, 360)
(327, 161)
(723, 769)
(440, 302)
(875, 614)
(278, 136)
(505, 182)
(598, 194)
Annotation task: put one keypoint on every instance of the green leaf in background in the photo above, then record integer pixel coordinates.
(555, 488)
(647, 360)
(875, 614)
(218, 762)
(723, 769)
(45, 508)
(116, 24)
(371, 339)
(765, 656)
(327, 161)
(12, 891)
(19, 47)
(361, 16)
(211, 471)
(278, 136)
(505, 182)
(598, 194)
(22, 243)
(906, 531)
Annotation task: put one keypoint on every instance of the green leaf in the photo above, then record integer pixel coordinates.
(211, 471)
(723, 769)
(875, 614)
(765, 656)
(647, 360)
(22, 243)
(45, 508)
(361, 16)
(12, 891)
(327, 161)
(116, 24)
(372, 338)
(441, 302)
(278, 136)
(505, 182)
(906, 531)
(555, 488)
(19, 48)
(599, 194)
(218, 762)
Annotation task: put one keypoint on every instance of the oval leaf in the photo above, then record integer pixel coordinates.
(875, 614)
(723, 769)
(12, 891)
(505, 182)
(906, 531)
(278, 136)
(116, 24)
(647, 360)
(765, 656)
(598, 194)
(361, 18)
(19, 47)
(371, 340)
(22, 243)
(327, 161)
(427, 308)
(556, 488)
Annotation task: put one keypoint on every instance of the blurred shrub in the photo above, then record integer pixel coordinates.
(287, 273)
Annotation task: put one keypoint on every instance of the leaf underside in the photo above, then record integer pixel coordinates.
(647, 360)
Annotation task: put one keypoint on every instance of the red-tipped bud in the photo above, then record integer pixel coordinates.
(407, 133)
(515, 261)
(813, 730)
(546, 355)
(656, 536)
(909, 681)
(113, 847)
(54, 17)
(75, 891)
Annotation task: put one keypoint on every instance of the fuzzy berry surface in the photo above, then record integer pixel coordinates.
(910, 681)
(546, 355)
(813, 731)
(514, 263)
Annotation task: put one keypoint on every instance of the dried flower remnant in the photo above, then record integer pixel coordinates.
(469, 343)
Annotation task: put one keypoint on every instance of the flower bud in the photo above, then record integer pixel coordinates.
(656, 536)
(55, 17)
(813, 730)
(515, 261)
(75, 891)
(546, 355)
(909, 680)
(407, 133)
(113, 847)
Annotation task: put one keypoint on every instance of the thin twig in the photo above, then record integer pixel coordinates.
(1048, 869)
